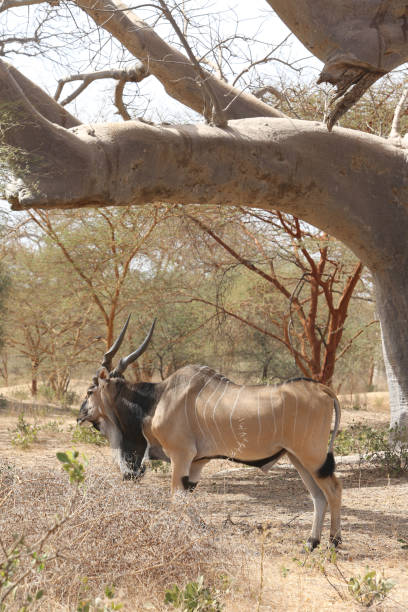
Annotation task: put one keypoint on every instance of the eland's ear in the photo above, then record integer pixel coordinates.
(103, 374)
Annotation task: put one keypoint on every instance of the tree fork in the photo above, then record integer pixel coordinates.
(174, 70)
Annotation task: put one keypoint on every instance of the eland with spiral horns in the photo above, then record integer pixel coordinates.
(196, 415)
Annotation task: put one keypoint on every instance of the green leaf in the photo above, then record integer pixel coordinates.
(63, 457)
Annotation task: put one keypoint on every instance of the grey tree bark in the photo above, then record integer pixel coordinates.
(350, 184)
(359, 41)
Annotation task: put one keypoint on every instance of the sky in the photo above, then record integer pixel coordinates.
(255, 19)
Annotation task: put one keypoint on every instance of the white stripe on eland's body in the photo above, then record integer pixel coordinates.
(273, 410)
(232, 412)
(204, 410)
(296, 413)
(195, 403)
(216, 404)
(306, 426)
(259, 421)
(282, 411)
(188, 390)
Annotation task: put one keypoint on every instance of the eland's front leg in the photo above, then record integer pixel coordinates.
(195, 472)
(181, 461)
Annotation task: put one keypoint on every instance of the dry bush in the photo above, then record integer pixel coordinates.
(118, 533)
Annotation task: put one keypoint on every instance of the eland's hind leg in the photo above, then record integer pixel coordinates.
(332, 487)
(319, 502)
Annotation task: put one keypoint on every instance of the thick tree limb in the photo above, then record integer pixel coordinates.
(30, 145)
(8, 4)
(173, 69)
(42, 102)
(296, 166)
(359, 41)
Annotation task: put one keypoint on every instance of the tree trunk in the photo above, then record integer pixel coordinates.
(392, 306)
(34, 377)
(4, 367)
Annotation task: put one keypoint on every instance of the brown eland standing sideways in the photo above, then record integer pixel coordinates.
(196, 415)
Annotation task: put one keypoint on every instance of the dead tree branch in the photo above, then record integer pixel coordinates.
(133, 74)
(262, 91)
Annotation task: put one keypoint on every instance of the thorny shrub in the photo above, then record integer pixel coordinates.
(65, 398)
(100, 604)
(159, 466)
(118, 533)
(53, 426)
(354, 439)
(22, 560)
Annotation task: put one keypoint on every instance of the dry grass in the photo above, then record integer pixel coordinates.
(121, 534)
(130, 535)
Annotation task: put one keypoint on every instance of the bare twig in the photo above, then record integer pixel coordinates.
(217, 115)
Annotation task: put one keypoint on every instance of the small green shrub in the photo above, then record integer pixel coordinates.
(88, 435)
(388, 450)
(100, 604)
(159, 466)
(404, 543)
(53, 426)
(72, 465)
(194, 596)
(370, 588)
(9, 571)
(24, 434)
(355, 439)
(318, 558)
(65, 398)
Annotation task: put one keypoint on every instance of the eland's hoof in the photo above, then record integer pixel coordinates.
(335, 540)
(312, 543)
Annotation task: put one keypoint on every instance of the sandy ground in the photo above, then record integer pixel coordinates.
(271, 516)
